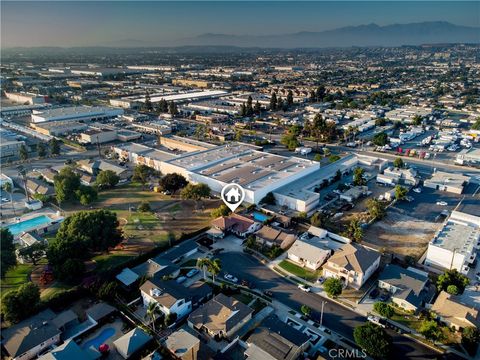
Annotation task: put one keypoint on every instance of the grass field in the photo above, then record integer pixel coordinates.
(105, 262)
(15, 277)
(299, 271)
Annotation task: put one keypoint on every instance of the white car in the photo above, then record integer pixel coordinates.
(375, 320)
(231, 278)
(417, 190)
(442, 203)
(304, 288)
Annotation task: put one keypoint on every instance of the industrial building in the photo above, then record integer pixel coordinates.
(455, 245)
(59, 128)
(25, 98)
(450, 182)
(76, 113)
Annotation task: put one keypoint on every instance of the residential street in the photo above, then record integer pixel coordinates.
(336, 317)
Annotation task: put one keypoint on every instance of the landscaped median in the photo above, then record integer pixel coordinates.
(299, 271)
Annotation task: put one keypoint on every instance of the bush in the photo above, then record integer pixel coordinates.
(383, 309)
(144, 207)
(452, 289)
(431, 330)
(333, 287)
(373, 339)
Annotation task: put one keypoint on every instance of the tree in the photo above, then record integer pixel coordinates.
(290, 140)
(383, 309)
(251, 241)
(376, 209)
(202, 263)
(144, 207)
(358, 179)
(222, 210)
(476, 125)
(452, 277)
(23, 153)
(268, 199)
(306, 310)
(249, 107)
(452, 289)
(147, 105)
(317, 157)
(333, 158)
(66, 183)
(54, 145)
(273, 101)
(320, 92)
(417, 120)
(354, 230)
(318, 219)
(470, 336)
(108, 291)
(79, 235)
(214, 267)
(431, 330)
(380, 122)
(195, 191)
(380, 139)
(86, 194)
(333, 287)
(107, 179)
(172, 108)
(7, 253)
(142, 173)
(400, 192)
(257, 109)
(172, 182)
(290, 98)
(373, 339)
(398, 163)
(170, 319)
(41, 150)
(21, 303)
(33, 253)
(152, 311)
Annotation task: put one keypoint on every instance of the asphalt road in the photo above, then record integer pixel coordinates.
(335, 317)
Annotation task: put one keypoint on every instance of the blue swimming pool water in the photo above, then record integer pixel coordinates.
(259, 216)
(100, 338)
(30, 224)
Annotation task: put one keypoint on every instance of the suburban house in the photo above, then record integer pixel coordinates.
(274, 339)
(352, 263)
(35, 186)
(309, 252)
(70, 350)
(453, 313)
(221, 317)
(30, 337)
(407, 286)
(269, 236)
(173, 297)
(354, 193)
(132, 342)
(93, 167)
(182, 345)
(235, 224)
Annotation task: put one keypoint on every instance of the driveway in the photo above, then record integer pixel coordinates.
(336, 317)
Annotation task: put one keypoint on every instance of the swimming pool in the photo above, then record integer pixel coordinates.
(259, 216)
(100, 339)
(30, 224)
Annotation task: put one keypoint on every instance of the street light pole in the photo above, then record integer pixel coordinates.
(321, 314)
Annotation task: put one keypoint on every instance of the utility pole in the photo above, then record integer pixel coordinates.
(321, 314)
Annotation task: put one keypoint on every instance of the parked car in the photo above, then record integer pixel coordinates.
(383, 297)
(376, 320)
(217, 251)
(304, 288)
(320, 280)
(442, 203)
(268, 293)
(247, 283)
(417, 190)
(181, 279)
(373, 294)
(231, 278)
(192, 273)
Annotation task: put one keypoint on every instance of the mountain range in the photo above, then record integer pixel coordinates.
(364, 35)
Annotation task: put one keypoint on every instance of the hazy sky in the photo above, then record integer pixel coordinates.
(68, 23)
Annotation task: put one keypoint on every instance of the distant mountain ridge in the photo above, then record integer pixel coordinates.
(363, 35)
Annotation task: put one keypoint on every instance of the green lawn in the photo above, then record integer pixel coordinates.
(107, 261)
(53, 289)
(15, 277)
(299, 271)
(244, 298)
(407, 320)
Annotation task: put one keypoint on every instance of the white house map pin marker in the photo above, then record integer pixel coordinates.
(233, 195)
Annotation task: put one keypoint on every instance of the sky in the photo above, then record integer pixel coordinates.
(109, 23)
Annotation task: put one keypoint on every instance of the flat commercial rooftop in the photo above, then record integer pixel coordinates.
(458, 237)
(185, 96)
(243, 165)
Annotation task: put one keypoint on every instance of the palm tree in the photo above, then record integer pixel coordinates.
(203, 263)
(152, 310)
(7, 187)
(214, 268)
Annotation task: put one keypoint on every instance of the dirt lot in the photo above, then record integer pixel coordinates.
(401, 234)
